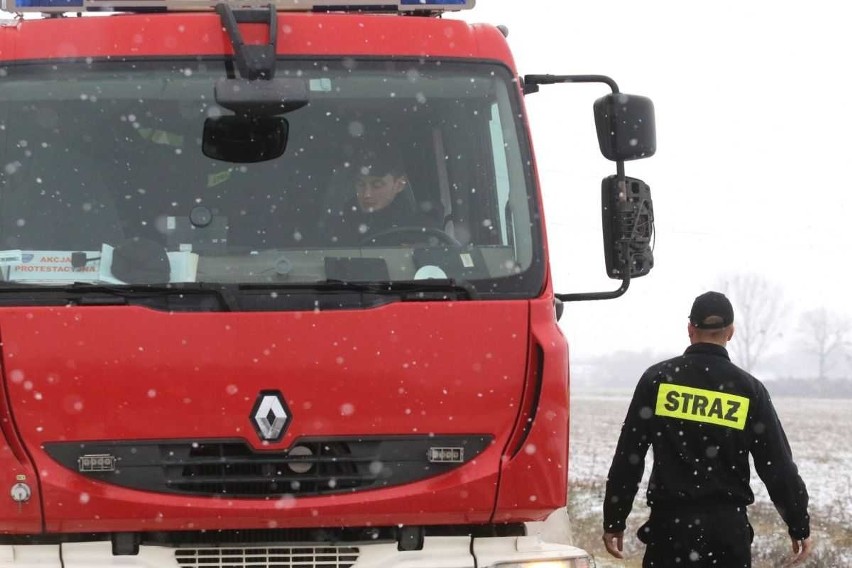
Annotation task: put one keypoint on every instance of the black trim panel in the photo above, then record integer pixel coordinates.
(231, 467)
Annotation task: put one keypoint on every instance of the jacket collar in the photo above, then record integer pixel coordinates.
(707, 349)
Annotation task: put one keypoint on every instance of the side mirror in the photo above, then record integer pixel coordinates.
(626, 131)
(626, 127)
(244, 139)
(628, 227)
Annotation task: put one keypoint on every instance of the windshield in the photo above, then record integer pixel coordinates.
(393, 171)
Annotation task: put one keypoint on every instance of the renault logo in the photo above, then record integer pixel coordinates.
(270, 415)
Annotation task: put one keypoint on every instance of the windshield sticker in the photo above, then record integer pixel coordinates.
(161, 137)
(52, 266)
(218, 178)
(10, 257)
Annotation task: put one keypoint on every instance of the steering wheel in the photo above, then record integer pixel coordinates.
(407, 235)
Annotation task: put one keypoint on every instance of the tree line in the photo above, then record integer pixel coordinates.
(813, 356)
(823, 335)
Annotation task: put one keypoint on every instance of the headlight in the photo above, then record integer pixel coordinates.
(583, 562)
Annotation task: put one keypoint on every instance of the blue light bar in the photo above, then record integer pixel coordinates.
(28, 5)
(386, 6)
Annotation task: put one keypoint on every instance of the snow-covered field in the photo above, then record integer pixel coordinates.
(819, 431)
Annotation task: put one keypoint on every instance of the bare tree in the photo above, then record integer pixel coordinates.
(758, 305)
(826, 336)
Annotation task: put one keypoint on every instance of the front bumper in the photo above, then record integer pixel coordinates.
(437, 552)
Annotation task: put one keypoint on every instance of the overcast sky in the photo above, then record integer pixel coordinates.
(754, 132)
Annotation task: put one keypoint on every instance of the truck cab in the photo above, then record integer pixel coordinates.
(219, 346)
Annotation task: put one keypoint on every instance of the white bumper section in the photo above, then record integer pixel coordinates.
(544, 547)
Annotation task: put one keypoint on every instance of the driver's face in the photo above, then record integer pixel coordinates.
(375, 193)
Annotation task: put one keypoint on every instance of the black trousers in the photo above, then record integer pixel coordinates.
(693, 537)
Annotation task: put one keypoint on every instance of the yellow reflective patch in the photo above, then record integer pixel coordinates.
(700, 405)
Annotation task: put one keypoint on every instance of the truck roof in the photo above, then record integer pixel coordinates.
(431, 7)
(300, 34)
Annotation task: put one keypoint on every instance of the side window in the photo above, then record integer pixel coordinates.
(501, 173)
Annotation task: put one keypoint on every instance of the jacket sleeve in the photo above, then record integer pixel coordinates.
(773, 460)
(628, 464)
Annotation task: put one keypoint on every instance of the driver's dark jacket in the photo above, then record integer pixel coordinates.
(691, 409)
(352, 226)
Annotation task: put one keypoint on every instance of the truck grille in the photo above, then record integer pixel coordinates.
(231, 467)
(235, 469)
(273, 557)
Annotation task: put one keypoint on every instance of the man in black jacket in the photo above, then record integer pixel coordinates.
(382, 201)
(703, 416)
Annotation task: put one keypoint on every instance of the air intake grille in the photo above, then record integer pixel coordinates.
(217, 468)
(273, 557)
(309, 467)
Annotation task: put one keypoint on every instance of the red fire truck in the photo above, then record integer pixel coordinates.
(275, 287)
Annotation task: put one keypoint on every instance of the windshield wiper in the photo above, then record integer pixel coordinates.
(228, 296)
(408, 290)
(99, 293)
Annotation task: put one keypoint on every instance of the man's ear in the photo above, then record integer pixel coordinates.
(399, 184)
(731, 333)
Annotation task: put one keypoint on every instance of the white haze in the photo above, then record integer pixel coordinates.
(753, 131)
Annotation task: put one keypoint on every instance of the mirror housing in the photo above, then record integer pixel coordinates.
(263, 97)
(628, 227)
(244, 139)
(626, 127)
(255, 133)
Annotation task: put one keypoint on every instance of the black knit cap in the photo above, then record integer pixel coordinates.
(708, 305)
(379, 162)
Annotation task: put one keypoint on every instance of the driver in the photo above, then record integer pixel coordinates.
(381, 200)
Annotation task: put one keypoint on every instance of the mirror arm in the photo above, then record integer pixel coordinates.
(530, 80)
(625, 283)
(253, 61)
